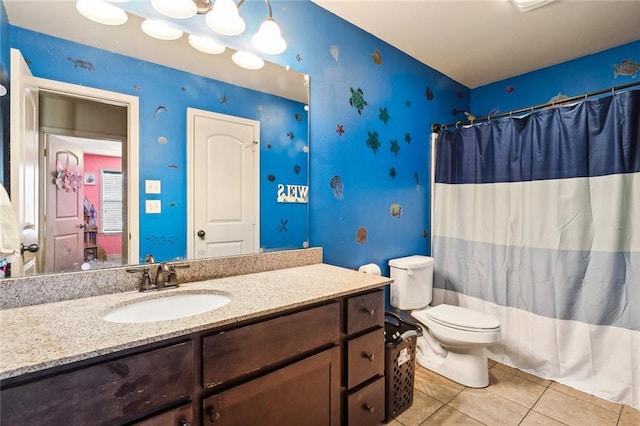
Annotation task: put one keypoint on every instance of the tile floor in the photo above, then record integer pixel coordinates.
(512, 398)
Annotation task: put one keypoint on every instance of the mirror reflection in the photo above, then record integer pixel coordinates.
(165, 198)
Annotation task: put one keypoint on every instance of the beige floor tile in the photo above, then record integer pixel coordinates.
(393, 423)
(573, 411)
(436, 386)
(522, 374)
(608, 405)
(488, 408)
(514, 388)
(629, 417)
(447, 416)
(423, 406)
(537, 419)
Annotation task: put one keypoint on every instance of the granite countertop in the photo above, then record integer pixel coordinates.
(38, 337)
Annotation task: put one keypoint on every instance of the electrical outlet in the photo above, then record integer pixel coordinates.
(152, 206)
(152, 187)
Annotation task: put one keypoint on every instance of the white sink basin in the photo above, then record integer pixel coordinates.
(167, 308)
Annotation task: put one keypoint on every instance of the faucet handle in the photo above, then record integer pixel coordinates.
(172, 279)
(145, 281)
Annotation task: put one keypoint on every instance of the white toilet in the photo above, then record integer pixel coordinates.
(454, 340)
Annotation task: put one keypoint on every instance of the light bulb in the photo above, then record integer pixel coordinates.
(180, 9)
(247, 60)
(102, 12)
(206, 45)
(268, 39)
(225, 19)
(160, 30)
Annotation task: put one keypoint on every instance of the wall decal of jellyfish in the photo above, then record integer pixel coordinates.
(334, 51)
(361, 235)
(337, 186)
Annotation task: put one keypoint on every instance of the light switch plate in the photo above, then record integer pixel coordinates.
(152, 206)
(152, 187)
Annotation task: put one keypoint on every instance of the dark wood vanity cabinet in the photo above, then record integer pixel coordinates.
(322, 364)
(110, 392)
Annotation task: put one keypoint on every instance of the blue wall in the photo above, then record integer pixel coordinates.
(572, 78)
(164, 95)
(369, 167)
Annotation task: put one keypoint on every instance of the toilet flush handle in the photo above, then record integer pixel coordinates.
(410, 272)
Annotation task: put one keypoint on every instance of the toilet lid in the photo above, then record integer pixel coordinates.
(462, 318)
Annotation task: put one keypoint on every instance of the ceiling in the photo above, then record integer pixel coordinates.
(477, 42)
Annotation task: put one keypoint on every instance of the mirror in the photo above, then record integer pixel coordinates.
(168, 78)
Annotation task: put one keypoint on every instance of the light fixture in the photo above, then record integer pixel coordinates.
(247, 60)
(269, 39)
(102, 12)
(160, 30)
(225, 19)
(206, 45)
(527, 5)
(181, 9)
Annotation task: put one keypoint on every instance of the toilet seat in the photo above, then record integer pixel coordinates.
(458, 318)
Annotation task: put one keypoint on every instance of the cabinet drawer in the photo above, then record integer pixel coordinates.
(365, 357)
(107, 393)
(233, 353)
(305, 393)
(180, 416)
(366, 406)
(365, 311)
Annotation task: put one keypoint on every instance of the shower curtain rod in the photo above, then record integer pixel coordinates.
(436, 127)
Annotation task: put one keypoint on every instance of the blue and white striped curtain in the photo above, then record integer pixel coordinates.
(536, 221)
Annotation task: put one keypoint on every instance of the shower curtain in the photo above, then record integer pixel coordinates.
(536, 221)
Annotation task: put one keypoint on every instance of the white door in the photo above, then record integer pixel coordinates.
(223, 198)
(64, 212)
(24, 161)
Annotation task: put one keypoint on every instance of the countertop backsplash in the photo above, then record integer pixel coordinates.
(34, 290)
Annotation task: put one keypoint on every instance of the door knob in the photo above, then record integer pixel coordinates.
(31, 248)
(201, 234)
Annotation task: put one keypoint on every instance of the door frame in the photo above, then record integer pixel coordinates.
(191, 114)
(133, 134)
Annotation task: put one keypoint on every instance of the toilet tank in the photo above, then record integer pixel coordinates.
(412, 282)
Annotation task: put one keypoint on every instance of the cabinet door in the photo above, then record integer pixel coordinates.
(304, 393)
(107, 393)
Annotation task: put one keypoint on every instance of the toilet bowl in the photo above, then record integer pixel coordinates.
(455, 338)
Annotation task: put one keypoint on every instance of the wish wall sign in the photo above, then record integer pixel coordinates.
(293, 193)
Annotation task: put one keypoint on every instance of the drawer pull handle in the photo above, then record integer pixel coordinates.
(214, 415)
(369, 356)
(184, 423)
(370, 408)
(370, 311)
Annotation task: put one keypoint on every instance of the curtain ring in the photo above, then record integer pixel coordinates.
(458, 125)
(489, 118)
